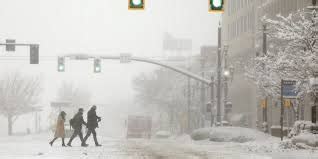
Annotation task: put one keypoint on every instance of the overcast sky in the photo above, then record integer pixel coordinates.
(103, 27)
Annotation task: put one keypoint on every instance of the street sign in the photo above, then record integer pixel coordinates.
(125, 58)
(10, 47)
(289, 89)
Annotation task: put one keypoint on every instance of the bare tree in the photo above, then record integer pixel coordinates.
(18, 95)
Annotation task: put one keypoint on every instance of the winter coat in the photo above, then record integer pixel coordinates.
(92, 119)
(60, 131)
(78, 121)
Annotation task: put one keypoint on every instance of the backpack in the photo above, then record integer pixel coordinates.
(72, 122)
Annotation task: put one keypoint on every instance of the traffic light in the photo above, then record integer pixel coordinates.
(97, 66)
(136, 4)
(10, 47)
(34, 54)
(216, 5)
(60, 64)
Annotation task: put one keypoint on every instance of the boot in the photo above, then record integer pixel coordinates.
(63, 143)
(98, 145)
(96, 142)
(51, 143)
(84, 145)
(69, 144)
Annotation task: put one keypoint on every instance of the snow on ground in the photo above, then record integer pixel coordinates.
(236, 134)
(180, 147)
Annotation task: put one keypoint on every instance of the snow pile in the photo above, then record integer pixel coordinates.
(301, 135)
(235, 134)
(185, 138)
(300, 127)
(163, 134)
(201, 134)
(306, 138)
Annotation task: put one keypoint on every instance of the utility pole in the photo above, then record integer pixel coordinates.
(219, 77)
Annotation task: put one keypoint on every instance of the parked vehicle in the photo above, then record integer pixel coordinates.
(139, 127)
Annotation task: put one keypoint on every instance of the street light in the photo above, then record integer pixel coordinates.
(226, 73)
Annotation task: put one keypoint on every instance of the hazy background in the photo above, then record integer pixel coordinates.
(97, 27)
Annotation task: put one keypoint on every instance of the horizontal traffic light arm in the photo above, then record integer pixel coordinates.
(146, 60)
(17, 44)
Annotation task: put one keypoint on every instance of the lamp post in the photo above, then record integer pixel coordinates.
(226, 76)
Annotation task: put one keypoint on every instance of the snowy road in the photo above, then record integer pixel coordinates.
(37, 147)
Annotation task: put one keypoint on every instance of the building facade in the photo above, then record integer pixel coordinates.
(242, 31)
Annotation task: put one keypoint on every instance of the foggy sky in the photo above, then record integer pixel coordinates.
(99, 27)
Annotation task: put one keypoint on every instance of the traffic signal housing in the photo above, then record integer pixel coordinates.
(216, 5)
(60, 64)
(97, 66)
(34, 54)
(136, 4)
(9, 47)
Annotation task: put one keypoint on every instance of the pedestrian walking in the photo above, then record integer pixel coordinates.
(76, 122)
(59, 131)
(92, 124)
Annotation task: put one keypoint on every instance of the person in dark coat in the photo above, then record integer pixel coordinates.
(92, 124)
(59, 131)
(77, 123)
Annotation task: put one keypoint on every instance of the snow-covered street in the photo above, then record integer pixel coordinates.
(37, 147)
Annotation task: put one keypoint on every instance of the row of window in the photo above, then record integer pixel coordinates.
(235, 5)
(241, 25)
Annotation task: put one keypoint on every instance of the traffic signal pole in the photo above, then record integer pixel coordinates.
(219, 78)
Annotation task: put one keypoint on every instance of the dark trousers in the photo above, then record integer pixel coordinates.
(89, 132)
(75, 133)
